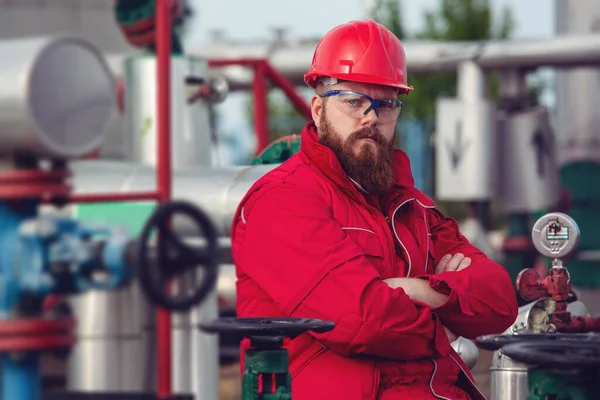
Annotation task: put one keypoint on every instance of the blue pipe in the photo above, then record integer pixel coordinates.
(21, 376)
(20, 372)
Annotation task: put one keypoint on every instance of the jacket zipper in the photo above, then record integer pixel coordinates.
(427, 239)
(396, 234)
(435, 366)
(392, 247)
(400, 241)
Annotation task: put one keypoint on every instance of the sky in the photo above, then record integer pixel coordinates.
(244, 20)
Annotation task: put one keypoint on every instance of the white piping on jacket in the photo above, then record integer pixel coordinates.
(398, 238)
(242, 215)
(349, 228)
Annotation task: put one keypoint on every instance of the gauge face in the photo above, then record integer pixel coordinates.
(555, 235)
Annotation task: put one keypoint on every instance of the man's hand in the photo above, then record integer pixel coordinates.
(418, 290)
(452, 263)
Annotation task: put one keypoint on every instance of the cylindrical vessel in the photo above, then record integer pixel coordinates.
(57, 97)
(578, 90)
(508, 380)
(527, 174)
(113, 338)
(191, 142)
(578, 136)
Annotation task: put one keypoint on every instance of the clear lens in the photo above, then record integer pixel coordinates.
(356, 104)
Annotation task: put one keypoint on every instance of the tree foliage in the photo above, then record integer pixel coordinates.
(454, 20)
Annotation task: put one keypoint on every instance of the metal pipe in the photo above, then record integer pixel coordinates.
(299, 103)
(263, 70)
(113, 197)
(261, 107)
(218, 191)
(292, 59)
(163, 178)
(472, 82)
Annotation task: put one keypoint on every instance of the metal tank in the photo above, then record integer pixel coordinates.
(112, 348)
(578, 136)
(191, 142)
(57, 96)
(528, 174)
(508, 379)
(578, 91)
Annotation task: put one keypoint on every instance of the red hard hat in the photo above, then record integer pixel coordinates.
(360, 51)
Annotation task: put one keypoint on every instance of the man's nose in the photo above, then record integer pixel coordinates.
(370, 117)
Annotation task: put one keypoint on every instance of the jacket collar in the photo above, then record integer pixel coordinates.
(327, 163)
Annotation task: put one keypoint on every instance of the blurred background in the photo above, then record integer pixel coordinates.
(502, 127)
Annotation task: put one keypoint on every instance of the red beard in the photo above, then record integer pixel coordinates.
(369, 164)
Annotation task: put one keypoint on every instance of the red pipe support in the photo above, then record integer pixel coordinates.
(261, 107)
(245, 62)
(297, 101)
(113, 197)
(163, 177)
(263, 70)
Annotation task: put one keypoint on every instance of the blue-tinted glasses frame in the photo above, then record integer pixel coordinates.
(374, 102)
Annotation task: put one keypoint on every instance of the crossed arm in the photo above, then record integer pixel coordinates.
(471, 294)
(419, 289)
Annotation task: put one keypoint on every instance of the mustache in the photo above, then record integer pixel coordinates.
(369, 132)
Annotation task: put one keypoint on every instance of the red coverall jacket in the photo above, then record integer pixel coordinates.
(307, 243)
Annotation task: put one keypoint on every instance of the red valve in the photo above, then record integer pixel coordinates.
(557, 286)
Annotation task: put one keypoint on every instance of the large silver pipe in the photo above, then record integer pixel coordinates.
(111, 352)
(57, 97)
(293, 59)
(217, 191)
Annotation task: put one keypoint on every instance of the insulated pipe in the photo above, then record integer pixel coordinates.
(218, 191)
(293, 59)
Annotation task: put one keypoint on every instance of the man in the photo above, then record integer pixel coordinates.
(339, 232)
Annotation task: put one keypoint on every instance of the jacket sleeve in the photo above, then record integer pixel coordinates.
(288, 243)
(482, 298)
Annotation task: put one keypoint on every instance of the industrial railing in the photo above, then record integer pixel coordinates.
(263, 70)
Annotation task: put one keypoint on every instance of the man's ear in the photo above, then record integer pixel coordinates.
(316, 108)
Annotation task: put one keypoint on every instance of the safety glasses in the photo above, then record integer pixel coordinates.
(357, 105)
